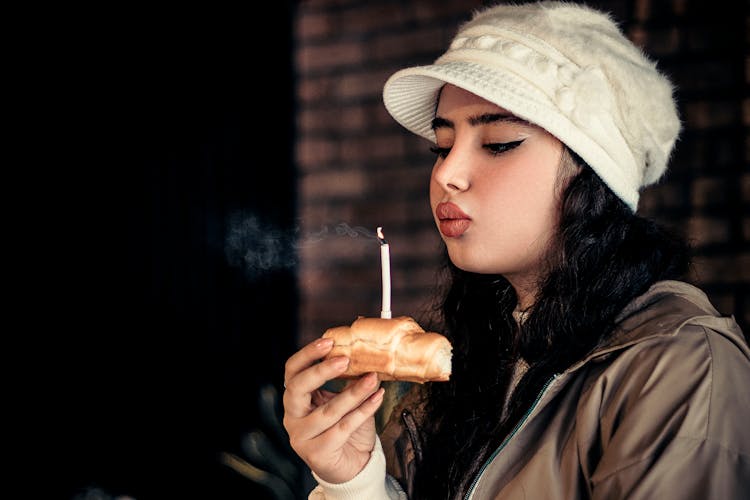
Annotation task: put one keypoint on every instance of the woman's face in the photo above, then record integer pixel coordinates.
(494, 187)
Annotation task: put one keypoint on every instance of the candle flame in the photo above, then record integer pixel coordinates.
(381, 238)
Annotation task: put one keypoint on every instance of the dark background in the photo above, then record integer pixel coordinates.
(155, 345)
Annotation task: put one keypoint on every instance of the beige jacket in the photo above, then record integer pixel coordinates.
(661, 412)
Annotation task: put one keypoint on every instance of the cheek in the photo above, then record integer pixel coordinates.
(519, 185)
(524, 195)
(532, 192)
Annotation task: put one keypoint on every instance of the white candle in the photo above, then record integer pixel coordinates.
(385, 266)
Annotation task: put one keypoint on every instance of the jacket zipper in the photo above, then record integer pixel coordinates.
(411, 428)
(510, 436)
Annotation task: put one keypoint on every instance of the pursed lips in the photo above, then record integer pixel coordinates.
(453, 221)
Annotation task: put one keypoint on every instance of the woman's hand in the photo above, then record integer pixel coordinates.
(333, 433)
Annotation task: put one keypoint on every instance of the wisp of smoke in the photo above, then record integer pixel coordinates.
(259, 247)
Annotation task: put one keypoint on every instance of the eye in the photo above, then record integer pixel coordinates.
(497, 148)
(440, 152)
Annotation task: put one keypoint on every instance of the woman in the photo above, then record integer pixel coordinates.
(584, 367)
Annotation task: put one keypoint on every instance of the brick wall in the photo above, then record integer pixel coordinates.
(358, 169)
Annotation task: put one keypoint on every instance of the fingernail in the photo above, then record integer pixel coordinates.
(370, 379)
(320, 344)
(340, 363)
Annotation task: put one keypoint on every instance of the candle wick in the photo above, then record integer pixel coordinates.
(381, 237)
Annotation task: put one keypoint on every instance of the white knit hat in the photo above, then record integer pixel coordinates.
(565, 67)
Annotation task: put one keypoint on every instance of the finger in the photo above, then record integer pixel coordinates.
(322, 396)
(339, 434)
(331, 412)
(305, 357)
(300, 388)
(317, 375)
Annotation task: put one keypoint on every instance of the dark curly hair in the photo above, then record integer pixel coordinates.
(602, 257)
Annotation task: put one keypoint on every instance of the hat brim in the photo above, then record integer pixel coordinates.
(411, 95)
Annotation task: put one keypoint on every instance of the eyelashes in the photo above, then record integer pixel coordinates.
(494, 148)
(502, 147)
(440, 152)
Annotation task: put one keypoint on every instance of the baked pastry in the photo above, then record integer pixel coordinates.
(395, 348)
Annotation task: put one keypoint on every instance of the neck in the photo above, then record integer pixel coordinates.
(526, 296)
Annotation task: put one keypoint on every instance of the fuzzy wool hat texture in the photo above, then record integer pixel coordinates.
(565, 67)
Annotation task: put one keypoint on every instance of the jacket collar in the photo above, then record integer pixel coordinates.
(661, 311)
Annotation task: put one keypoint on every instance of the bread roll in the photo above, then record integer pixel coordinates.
(396, 348)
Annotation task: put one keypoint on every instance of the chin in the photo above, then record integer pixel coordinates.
(465, 263)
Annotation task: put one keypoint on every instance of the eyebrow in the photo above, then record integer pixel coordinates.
(483, 119)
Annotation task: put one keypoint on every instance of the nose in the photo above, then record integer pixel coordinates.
(452, 173)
